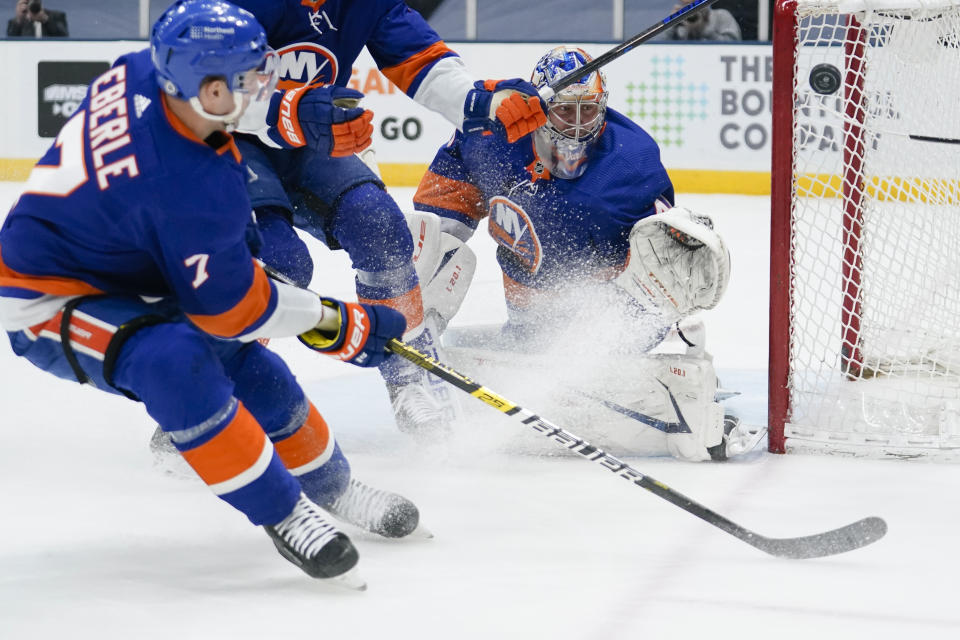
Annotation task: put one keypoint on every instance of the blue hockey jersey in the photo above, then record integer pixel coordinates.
(319, 40)
(129, 201)
(551, 232)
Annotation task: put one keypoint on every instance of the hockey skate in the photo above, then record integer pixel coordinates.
(418, 411)
(381, 512)
(309, 540)
(738, 438)
(423, 404)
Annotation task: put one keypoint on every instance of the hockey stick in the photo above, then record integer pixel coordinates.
(852, 536)
(684, 12)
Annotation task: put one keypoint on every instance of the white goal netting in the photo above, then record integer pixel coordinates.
(874, 306)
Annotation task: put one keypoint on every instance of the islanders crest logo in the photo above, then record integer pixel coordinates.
(511, 227)
(306, 63)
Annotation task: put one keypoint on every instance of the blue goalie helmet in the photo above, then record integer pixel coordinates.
(575, 115)
(197, 39)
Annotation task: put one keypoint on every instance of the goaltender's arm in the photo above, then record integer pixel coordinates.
(447, 190)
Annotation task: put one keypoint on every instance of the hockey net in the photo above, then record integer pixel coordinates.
(865, 244)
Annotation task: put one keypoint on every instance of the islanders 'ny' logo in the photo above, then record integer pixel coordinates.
(511, 227)
(306, 63)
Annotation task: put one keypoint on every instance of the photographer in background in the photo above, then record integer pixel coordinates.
(717, 25)
(31, 20)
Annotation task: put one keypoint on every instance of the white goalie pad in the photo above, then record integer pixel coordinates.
(444, 265)
(677, 263)
(663, 404)
(684, 396)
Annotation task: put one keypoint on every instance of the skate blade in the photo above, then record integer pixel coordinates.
(349, 580)
(745, 439)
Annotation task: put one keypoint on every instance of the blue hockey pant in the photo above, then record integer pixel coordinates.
(233, 410)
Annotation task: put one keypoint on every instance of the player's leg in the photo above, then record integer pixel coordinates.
(345, 204)
(226, 445)
(144, 351)
(307, 446)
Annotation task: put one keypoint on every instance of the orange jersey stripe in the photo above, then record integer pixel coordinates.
(243, 314)
(453, 195)
(403, 74)
(176, 122)
(231, 452)
(409, 304)
(307, 443)
(44, 284)
(230, 146)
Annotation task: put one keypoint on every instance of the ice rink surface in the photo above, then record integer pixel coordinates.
(98, 542)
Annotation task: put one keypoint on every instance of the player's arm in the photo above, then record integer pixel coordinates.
(413, 57)
(448, 190)
(347, 331)
(225, 293)
(677, 263)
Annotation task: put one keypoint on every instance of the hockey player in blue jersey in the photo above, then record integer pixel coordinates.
(126, 264)
(321, 186)
(590, 246)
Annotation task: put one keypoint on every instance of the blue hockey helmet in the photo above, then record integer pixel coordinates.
(575, 115)
(197, 39)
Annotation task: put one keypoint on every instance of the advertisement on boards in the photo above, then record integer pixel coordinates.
(61, 86)
(707, 105)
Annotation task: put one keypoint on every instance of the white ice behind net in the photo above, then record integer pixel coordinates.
(905, 397)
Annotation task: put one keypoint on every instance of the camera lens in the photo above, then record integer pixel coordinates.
(35, 7)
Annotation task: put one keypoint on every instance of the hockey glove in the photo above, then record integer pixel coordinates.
(677, 263)
(361, 335)
(512, 107)
(323, 118)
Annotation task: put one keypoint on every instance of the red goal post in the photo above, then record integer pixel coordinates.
(865, 228)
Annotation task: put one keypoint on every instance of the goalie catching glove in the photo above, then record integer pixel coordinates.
(323, 118)
(677, 264)
(355, 333)
(513, 107)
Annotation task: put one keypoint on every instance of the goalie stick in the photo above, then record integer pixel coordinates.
(852, 536)
(684, 12)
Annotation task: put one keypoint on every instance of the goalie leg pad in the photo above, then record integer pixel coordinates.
(681, 393)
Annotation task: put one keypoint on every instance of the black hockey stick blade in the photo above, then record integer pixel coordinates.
(920, 138)
(848, 538)
(680, 14)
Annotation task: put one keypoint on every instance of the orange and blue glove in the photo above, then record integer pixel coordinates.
(361, 334)
(323, 118)
(512, 108)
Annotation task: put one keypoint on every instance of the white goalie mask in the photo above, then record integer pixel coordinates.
(575, 115)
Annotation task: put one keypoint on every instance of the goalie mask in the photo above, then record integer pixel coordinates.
(575, 115)
(199, 39)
